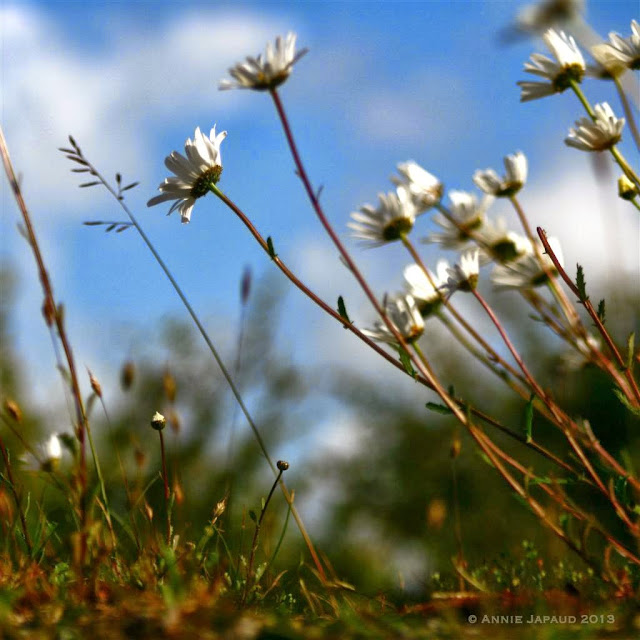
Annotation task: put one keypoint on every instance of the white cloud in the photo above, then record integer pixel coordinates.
(417, 110)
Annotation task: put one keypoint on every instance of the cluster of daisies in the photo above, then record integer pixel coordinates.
(602, 129)
(464, 225)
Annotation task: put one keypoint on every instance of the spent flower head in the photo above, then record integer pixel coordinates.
(619, 54)
(568, 66)
(514, 179)
(403, 313)
(463, 276)
(599, 134)
(425, 189)
(527, 272)
(425, 290)
(194, 174)
(266, 71)
(466, 217)
(393, 217)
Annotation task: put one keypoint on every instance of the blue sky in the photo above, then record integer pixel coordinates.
(382, 83)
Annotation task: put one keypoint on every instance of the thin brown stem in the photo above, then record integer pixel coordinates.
(53, 315)
(586, 303)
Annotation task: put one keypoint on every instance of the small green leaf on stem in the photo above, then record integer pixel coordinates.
(602, 313)
(631, 342)
(342, 310)
(528, 418)
(406, 362)
(252, 515)
(438, 408)
(272, 251)
(624, 400)
(581, 284)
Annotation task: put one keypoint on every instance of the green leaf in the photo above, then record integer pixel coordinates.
(342, 310)
(581, 284)
(270, 249)
(252, 515)
(626, 403)
(602, 313)
(630, 349)
(438, 408)
(406, 362)
(528, 418)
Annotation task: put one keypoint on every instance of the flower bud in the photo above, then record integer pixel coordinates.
(627, 190)
(13, 409)
(95, 385)
(158, 421)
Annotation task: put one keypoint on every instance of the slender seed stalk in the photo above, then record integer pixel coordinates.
(282, 467)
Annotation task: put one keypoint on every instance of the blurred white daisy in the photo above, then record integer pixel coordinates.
(403, 313)
(425, 291)
(266, 71)
(467, 216)
(526, 272)
(540, 16)
(619, 54)
(498, 243)
(46, 457)
(599, 134)
(515, 177)
(425, 189)
(581, 354)
(194, 174)
(394, 216)
(464, 275)
(568, 65)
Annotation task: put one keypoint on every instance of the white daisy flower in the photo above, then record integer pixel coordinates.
(425, 291)
(526, 272)
(515, 177)
(48, 456)
(498, 243)
(619, 54)
(194, 174)
(403, 313)
(394, 216)
(599, 134)
(425, 189)
(568, 65)
(467, 217)
(268, 71)
(464, 275)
